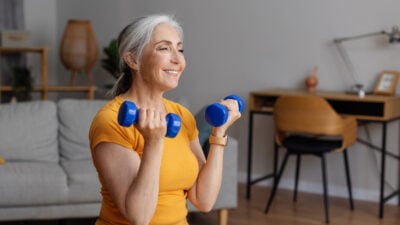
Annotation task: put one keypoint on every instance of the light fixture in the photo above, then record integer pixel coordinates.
(393, 37)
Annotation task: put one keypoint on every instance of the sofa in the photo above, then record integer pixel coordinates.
(48, 173)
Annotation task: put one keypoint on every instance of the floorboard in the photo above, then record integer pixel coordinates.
(308, 210)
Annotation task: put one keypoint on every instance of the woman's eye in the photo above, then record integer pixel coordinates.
(163, 48)
(181, 50)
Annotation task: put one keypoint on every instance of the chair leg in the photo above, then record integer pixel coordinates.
(296, 181)
(276, 159)
(348, 179)
(223, 217)
(325, 186)
(276, 183)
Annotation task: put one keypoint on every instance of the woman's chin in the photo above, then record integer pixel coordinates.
(170, 87)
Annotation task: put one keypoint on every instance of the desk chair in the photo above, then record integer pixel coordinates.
(308, 125)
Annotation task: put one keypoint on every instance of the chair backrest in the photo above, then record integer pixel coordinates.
(308, 114)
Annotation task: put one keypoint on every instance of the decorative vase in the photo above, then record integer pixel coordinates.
(79, 50)
(312, 81)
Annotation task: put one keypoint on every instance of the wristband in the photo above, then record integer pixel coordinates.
(222, 141)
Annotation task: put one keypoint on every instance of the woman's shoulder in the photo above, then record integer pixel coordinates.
(109, 111)
(112, 105)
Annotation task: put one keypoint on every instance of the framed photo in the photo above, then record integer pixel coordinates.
(387, 83)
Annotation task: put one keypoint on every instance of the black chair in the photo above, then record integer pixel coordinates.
(308, 125)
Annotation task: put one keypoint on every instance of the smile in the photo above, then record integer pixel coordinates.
(171, 71)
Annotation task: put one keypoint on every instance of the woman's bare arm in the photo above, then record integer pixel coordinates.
(133, 182)
(204, 192)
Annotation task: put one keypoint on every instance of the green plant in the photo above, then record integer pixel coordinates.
(111, 62)
(22, 84)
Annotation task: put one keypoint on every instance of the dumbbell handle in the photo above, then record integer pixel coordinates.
(217, 114)
(128, 115)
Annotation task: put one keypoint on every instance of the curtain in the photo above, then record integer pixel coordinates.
(11, 18)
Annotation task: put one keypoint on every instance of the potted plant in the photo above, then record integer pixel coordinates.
(22, 84)
(111, 62)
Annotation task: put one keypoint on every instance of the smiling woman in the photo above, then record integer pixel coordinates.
(147, 178)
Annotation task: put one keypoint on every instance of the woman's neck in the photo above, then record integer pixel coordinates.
(145, 99)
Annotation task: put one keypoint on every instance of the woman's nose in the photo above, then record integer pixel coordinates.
(176, 56)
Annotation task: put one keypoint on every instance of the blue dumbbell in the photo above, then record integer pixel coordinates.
(128, 115)
(217, 114)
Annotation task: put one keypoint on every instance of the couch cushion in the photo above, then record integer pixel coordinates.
(28, 131)
(32, 183)
(75, 117)
(83, 182)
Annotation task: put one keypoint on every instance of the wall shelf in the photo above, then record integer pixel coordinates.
(44, 88)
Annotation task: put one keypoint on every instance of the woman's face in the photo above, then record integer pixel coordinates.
(162, 61)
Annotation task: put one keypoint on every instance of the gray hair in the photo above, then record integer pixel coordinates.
(133, 38)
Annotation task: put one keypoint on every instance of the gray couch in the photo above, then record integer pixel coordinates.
(49, 173)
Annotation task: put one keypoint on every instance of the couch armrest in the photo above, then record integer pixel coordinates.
(227, 197)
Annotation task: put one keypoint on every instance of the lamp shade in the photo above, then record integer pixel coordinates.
(79, 50)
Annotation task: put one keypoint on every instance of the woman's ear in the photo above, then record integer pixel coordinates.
(130, 60)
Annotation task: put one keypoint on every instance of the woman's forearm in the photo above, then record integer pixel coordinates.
(210, 178)
(145, 187)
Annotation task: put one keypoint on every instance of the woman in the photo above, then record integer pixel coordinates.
(146, 177)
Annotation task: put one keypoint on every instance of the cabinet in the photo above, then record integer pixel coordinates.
(43, 87)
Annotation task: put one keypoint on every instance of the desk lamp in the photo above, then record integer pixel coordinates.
(393, 37)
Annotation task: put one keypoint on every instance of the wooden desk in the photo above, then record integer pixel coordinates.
(371, 108)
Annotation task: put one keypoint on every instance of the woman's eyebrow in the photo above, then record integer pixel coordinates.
(168, 42)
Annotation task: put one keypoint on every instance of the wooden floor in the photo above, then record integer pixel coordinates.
(308, 210)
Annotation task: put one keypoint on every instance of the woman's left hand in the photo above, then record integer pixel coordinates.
(233, 115)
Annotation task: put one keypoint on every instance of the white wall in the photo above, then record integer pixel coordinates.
(234, 46)
(42, 27)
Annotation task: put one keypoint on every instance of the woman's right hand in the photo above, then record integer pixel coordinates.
(151, 124)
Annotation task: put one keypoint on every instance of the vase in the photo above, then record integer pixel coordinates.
(79, 50)
(312, 81)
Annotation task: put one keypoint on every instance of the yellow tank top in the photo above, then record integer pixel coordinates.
(179, 166)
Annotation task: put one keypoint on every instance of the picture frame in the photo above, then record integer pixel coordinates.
(387, 83)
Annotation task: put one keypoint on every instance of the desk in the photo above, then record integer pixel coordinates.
(370, 109)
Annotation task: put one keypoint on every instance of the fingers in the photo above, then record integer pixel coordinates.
(230, 104)
(233, 111)
(151, 123)
(151, 117)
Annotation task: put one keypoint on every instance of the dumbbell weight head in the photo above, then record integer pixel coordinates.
(174, 124)
(128, 115)
(217, 114)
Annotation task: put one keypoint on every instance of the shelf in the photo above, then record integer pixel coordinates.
(88, 89)
(44, 88)
(21, 50)
(55, 88)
